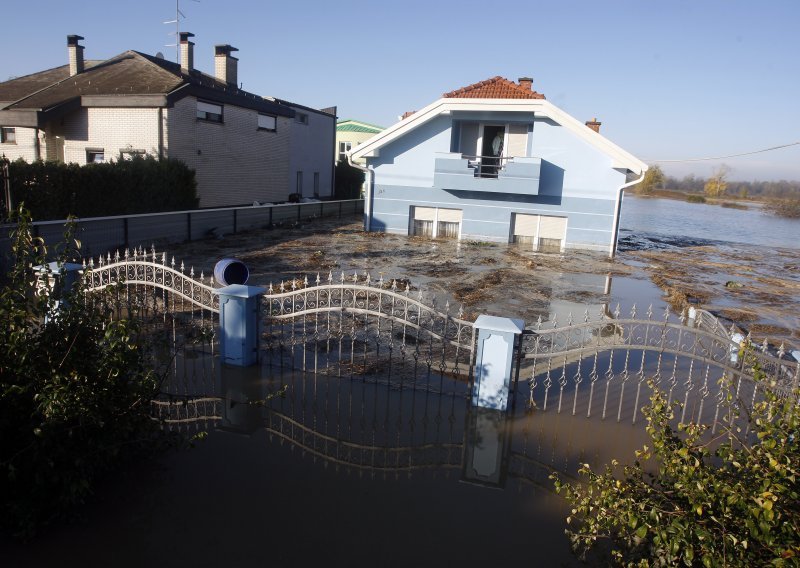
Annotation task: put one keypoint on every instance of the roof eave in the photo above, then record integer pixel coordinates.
(541, 107)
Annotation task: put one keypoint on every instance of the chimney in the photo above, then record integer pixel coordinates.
(594, 125)
(526, 83)
(187, 52)
(225, 64)
(75, 54)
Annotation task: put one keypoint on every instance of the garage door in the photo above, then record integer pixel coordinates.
(552, 231)
(525, 227)
(437, 222)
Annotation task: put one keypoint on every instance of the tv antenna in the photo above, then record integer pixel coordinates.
(177, 22)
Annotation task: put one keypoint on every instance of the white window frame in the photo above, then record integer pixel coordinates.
(347, 147)
(129, 153)
(435, 228)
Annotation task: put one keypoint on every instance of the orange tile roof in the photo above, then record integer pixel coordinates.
(494, 88)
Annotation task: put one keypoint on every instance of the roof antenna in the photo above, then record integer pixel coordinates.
(177, 22)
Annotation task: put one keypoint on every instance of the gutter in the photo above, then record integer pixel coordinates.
(617, 210)
(370, 175)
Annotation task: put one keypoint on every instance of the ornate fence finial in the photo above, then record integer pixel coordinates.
(305, 281)
(164, 258)
(447, 307)
(393, 287)
(367, 278)
(282, 287)
(586, 316)
(116, 256)
(100, 261)
(380, 280)
(294, 285)
(539, 322)
(781, 351)
(684, 315)
(269, 288)
(191, 272)
(355, 277)
(649, 312)
(318, 281)
(764, 346)
(342, 277)
(153, 249)
(183, 268)
(666, 313)
(330, 277)
(461, 311)
(569, 319)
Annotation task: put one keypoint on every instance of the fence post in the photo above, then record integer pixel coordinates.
(239, 315)
(494, 360)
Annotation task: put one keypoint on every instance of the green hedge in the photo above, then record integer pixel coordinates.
(53, 190)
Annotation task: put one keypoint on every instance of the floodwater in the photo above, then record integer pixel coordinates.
(345, 471)
(702, 223)
(356, 472)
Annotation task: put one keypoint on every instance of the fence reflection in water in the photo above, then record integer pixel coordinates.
(379, 379)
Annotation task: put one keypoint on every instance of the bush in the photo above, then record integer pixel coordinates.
(54, 190)
(784, 208)
(695, 199)
(74, 394)
(737, 505)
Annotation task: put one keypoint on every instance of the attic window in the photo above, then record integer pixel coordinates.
(301, 117)
(8, 135)
(209, 111)
(267, 122)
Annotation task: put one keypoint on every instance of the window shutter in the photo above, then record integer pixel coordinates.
(450, 215)
(208, 107)
(517, 140)
(525, 225)
(424, 213)
(552, 227)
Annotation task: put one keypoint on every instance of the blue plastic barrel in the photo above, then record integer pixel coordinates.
(231, 271)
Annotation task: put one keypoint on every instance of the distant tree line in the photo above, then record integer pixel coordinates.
(54, 190)
(718, 185)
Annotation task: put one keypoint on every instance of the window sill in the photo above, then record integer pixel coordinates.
(267, 129)
(206, 121)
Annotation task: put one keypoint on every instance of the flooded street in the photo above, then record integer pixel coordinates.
(394, 469)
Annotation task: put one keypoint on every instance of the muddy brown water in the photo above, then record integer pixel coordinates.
(320, 490)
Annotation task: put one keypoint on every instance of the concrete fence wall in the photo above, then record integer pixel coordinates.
(100, 235)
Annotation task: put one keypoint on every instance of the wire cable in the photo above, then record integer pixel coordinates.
(732, 155)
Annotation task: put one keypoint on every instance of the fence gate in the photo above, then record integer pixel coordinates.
(357, 326)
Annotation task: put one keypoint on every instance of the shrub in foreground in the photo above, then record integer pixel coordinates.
(689, 500)
(74, 395)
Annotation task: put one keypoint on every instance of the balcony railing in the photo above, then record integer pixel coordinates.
(495, 174)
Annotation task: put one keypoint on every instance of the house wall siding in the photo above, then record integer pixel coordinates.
(112, 129)
(577, 182)
(310, 153)
(25, 146)
(234, 161)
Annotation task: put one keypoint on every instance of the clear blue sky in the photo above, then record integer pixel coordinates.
(668, 79)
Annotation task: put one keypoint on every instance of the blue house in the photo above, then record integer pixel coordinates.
(495, 161)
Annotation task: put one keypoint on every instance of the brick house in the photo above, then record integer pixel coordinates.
(243, 147)
(495, 161)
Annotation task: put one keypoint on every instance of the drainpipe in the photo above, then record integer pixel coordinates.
(367, 194)
(617, 210)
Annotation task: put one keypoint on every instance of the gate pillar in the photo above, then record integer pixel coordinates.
(494, 362)
(58, 279)
(239, 312)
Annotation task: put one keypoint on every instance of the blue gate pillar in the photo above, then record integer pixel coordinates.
(239, 311)
(494, 362)
(61, 277)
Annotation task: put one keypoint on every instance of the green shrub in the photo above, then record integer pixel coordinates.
(695, 199)
(74, 394)
(54, 190)
(684, 503)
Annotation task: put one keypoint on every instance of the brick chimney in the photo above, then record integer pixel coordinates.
(225, 65)
(75, 54)
(187, 52)
(526, 83)
(594, 125)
